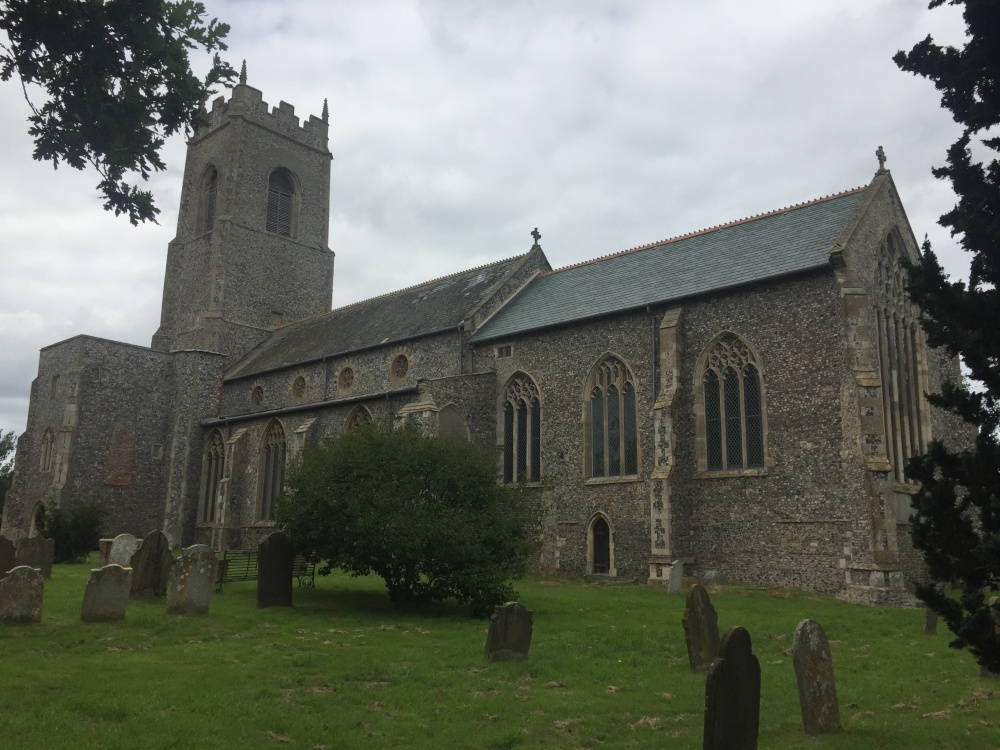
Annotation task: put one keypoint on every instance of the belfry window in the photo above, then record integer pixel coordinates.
(272, 470)
(733, 418)
(280, 203)
(522, 430)
(612, 435)
(209, 192)
(46, 458)
(212, 466)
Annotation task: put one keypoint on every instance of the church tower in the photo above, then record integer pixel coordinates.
(251, 250)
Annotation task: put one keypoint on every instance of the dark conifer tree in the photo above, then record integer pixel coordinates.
(956, 523)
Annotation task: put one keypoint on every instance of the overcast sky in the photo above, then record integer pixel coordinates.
(458, 127)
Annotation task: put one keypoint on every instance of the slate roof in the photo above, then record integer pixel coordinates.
(435, 305)
(788, 240)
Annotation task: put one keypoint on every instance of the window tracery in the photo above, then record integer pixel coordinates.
(522, 430)
(213, 465)
(733, 417)
(359, 417)
(900, 354)
(612, 437)
(272, 473)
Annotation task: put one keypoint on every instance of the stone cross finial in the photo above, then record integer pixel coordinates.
(326, 111)
(880, 155)
(243, 74)
(535, 233)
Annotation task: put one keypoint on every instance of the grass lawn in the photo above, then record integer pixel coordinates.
(344, 669)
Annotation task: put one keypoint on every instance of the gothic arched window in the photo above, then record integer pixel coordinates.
(212, 465)
(522, 430)
(611, 434)
(207, 200)
(732, 419)
(280, 203)
(272, 470)
(359, 417)
(901, 357)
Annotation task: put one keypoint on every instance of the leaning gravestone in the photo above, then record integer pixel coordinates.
(8, 555)
(21, 593)
(151, 565)
(192, 581)
(106, 596)
(701, 629)
(732, 695)
(509, 636)
(274, 571)
(676, 580)
(814, 675)
(36, 552)
(123, 547)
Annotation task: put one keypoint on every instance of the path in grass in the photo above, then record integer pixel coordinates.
(344, 669)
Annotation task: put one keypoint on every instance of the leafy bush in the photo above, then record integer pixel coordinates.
(76, 532)
(428, 516)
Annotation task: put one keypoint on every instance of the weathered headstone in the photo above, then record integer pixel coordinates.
(676, 580)
(732, 695)
(701, 629)
(104, 547)
(151, 565)
(36, 552)
(123, 547)
(21, 593)
(274, 571)
(814, 675)
(930, 622)
(509, 636)
(106, 596)
(192, 581)
(8, 555)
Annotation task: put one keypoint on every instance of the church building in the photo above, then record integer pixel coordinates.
(739, 400)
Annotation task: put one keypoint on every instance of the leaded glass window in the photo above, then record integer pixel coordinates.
(601, 535)
(212, 468)
(280, 193)
(733, 401)
(614, 437)
(272, 473)
(522, 431)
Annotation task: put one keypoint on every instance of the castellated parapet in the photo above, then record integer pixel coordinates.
(248, 102)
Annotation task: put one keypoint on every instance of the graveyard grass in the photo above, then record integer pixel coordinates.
(345, 669)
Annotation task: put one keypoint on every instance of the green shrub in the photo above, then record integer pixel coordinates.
(429, 516)
(76, 532)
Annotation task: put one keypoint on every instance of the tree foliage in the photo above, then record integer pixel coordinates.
(956, 521)
(427, 515)
(117, 82)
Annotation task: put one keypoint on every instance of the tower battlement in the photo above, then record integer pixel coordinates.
(248, 102)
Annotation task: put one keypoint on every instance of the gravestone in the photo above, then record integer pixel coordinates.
(123, 547)
(151, 565)
(274, 571)
(701, 629)
(676, 580)
(192, 581)
(814, 675)
(732, 695)
(106, 596)
(8, 555)
(21, 593)
(104, 547)
(36, 552)
(930, 622)
(509, 636)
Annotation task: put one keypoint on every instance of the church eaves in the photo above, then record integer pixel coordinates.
(788, 240)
